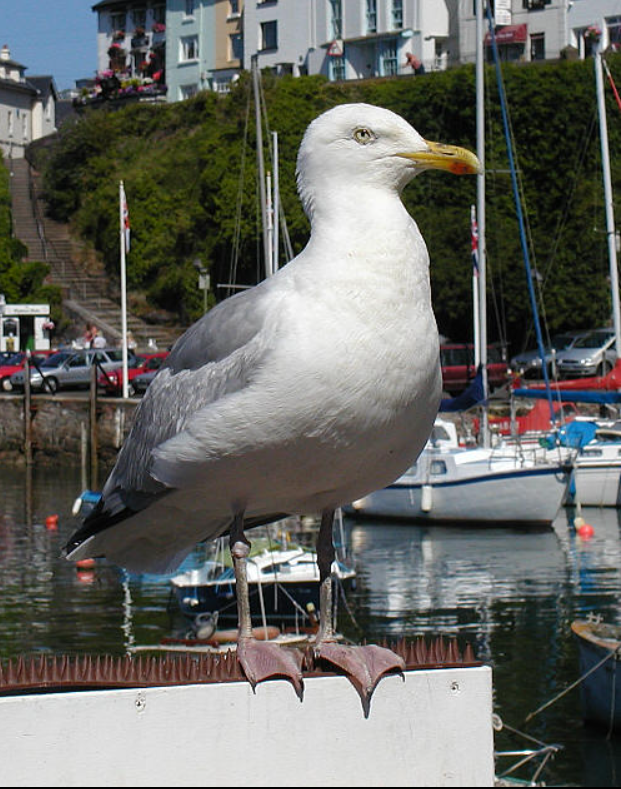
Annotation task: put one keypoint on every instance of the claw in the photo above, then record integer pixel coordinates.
(364, 666)
(261, 660)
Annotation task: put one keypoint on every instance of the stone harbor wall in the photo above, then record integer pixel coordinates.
(61, 428)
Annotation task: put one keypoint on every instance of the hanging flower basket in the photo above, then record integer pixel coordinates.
(139, 32)
(118, 35)
(158, 27)
(593, 33)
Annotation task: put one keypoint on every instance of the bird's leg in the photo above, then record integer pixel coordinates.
(258, 659)
(364, 665)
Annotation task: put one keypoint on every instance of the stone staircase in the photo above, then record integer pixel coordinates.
(87, 297)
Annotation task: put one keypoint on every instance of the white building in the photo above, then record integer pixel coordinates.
(27, 106)
(528, 30)
(343, 39)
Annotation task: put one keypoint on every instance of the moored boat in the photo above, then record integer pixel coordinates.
(477, 486)
(599, 649)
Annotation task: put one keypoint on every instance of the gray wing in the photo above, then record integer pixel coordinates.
(215, 357)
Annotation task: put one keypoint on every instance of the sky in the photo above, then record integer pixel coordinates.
(57, 37)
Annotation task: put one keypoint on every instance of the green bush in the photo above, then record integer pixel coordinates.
(181, 164)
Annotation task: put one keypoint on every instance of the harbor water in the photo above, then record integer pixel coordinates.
(511, 594)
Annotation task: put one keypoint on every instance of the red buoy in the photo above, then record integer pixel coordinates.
(85, 564)
(51, 522)
(584, 530)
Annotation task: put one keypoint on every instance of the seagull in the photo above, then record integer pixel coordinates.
(308, 391)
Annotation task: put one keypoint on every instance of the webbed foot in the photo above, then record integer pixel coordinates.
(363, 665)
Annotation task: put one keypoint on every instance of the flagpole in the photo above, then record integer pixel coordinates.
(122, 212)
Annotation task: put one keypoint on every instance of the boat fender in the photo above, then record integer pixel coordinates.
(584, 530)
(51, 522)
(426, 501)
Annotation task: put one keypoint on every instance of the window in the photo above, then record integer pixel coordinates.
(117, 21)
(233, 7)
(236, 48)
(337, 68)
(535, 5)
(437, 467)
(389, 65)
(24, 126)
(371, 16)
(336, 21)
(537, 46)
(189, 48)
(187, 91)
(189, 8)
(397, 14)
(269, 35)
(159, 14)
(613, 25)
(10, 120)
(139, 17)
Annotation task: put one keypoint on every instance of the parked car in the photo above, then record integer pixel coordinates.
(69, 369)
(458, 369)
(142, 381)
(528, 363)
(12, 362)
(112, 382)
(594, 353)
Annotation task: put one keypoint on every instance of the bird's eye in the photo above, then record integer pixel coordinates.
(364, 136)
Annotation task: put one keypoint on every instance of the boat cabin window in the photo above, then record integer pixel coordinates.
(437, 467)
(592, 452)
(439, 433)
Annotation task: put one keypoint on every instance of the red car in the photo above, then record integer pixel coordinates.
(14, 362)
(112, 382)
(457, 360)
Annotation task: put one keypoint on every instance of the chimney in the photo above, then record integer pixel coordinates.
(5, 53)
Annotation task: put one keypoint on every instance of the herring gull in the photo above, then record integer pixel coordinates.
(310, 390)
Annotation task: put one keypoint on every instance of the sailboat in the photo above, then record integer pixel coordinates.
(475, 485)
(597, 462)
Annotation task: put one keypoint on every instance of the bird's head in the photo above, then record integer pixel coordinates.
(360, 144)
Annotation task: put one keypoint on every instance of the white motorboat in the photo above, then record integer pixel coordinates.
(283, 583)
(477, 486)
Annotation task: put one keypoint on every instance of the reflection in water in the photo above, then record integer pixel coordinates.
(511, 594)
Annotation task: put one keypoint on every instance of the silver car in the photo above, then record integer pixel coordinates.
(68, 370)
(528, 363)
(594, 353)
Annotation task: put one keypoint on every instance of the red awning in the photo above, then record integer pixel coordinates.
(509, 34)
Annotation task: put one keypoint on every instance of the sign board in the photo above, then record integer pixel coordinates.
(502, 12)
(335, 50)
(27, 309)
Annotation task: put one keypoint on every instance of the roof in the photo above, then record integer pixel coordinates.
(106, 3)
(43, 84)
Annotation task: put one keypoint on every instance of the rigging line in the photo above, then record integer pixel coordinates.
(611, 654)
(236, 250)
(520, 215)
(612, 83)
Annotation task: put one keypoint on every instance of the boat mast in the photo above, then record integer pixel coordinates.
(482, 303)
(610, 219)
(267, 252)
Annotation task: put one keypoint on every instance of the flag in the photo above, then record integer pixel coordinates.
(474, 241)
(125, 218)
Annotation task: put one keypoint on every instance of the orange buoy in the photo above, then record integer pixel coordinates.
(584, 530)
(85, 564)
(51, 522)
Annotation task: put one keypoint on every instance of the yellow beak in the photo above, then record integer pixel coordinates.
(458, 161)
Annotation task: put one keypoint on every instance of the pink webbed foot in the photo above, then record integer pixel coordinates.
(363, 665)
(260, 661)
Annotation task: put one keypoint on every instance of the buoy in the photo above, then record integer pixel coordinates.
(51, 522)
(85, 564)
(584, 530)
